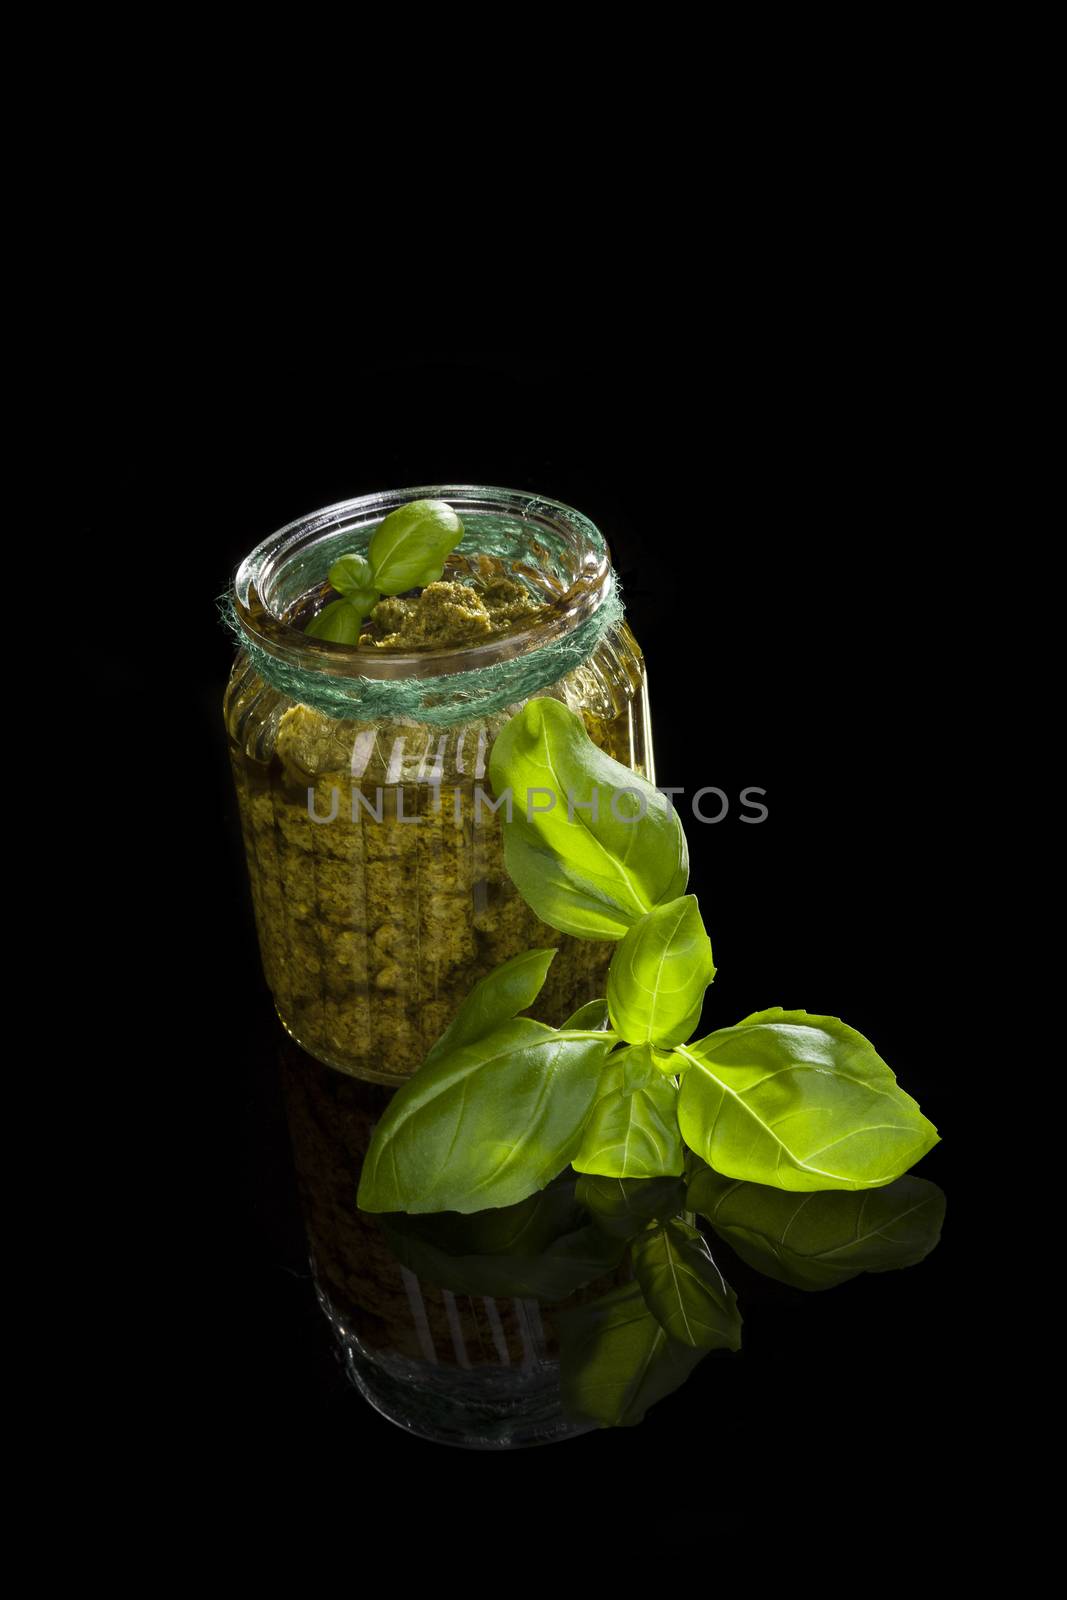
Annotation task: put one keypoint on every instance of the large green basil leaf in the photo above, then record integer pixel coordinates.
(485, 1125)
(625, 1206)
(408, 549)
(616, 1360)
(506, 991)
(659, 973)
(815, 1241)
(798, 1102)
(684, 1289)
(560, 1267)
(632, 1130)
(592, 875)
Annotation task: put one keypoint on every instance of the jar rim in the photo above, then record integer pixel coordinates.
(255, 583)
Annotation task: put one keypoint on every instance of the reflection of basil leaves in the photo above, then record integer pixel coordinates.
(799, 1102)
(684, 1289)
(625, 1206)
(632, 1131)
(518, 1230)
(485, 1124)
(561, 1266)
(583, 866)
(659, 973)
(616, 1360)
(544, 1247)
(815, 1241)
(627, 1349)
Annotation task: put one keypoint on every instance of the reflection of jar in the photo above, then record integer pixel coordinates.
(374, 923)
(475, 1367)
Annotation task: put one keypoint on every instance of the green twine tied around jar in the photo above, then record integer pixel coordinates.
(446, 698)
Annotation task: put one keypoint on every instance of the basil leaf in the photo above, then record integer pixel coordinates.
(588, 873)
(684, 1289)
(625, 1206)
(362, 600)
(339, 622)
(592, 1015)
(632, 1130)
(798, 1102)
(616, 1360)
(562, 1266)
(565, 899)
(667, 1062)
(815, 1241)
(408, 548)
(485, 1124)
(351, 573)
(506, 991)
(659, 973)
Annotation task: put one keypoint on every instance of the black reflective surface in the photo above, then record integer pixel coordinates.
(775, 555)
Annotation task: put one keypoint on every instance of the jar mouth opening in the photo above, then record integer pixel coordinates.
(532, 534)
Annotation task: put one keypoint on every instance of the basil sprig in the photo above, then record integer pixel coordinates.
(786, 1100)
(407, 550)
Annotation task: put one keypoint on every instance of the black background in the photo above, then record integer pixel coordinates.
(772, 525)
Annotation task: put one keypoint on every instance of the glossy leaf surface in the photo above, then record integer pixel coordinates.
(632, 1130)
(485, 1124)
(658, 975)
(583, 866)
(798, 1102)
(408, 548)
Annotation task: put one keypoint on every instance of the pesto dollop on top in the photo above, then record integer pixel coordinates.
(450, 613)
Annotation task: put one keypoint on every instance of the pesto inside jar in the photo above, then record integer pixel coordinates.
(377, 870)
(448, 612)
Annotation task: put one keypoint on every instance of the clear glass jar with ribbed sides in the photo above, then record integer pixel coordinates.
(375, 849)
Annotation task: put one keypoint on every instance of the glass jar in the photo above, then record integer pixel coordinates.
(376, 865)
